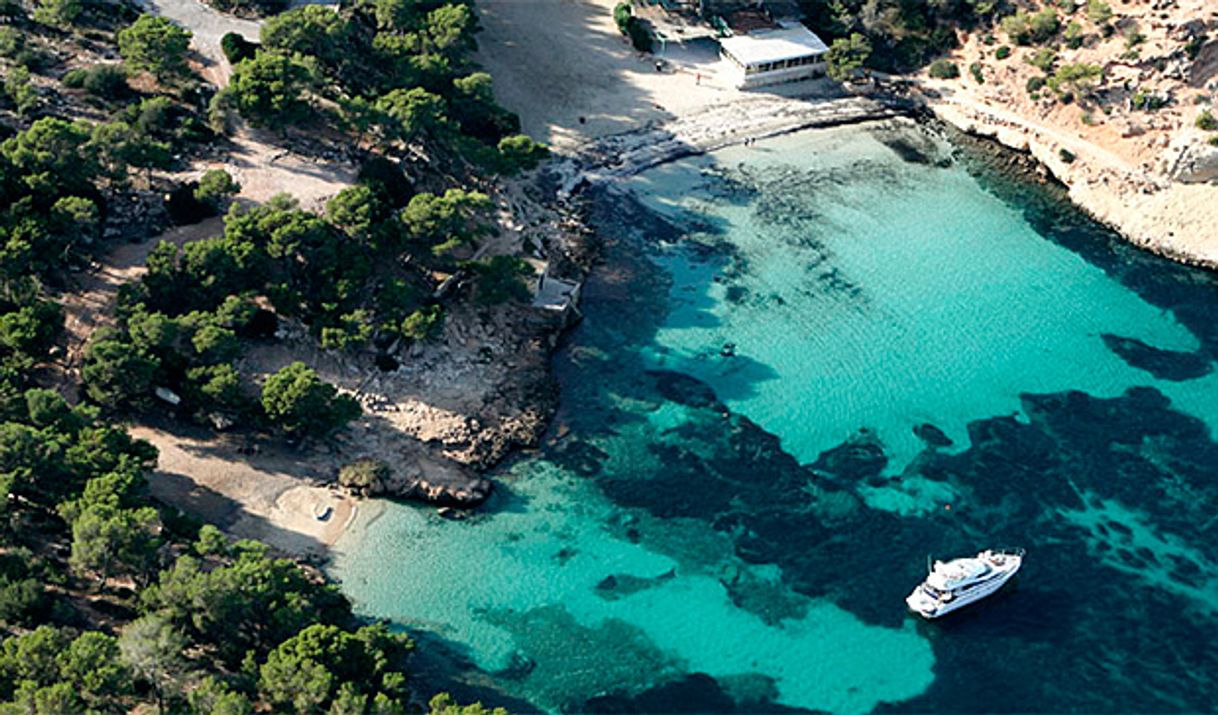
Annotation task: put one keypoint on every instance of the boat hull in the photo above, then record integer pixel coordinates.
(930, 607)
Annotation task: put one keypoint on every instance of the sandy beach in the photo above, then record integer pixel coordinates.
(265, 494)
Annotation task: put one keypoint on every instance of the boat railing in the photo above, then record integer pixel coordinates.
(1018, 551)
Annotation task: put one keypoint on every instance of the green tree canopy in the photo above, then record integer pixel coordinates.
(501, 279)
(298, 401)
(412, 113)
(270, 89)
(248, 602)
(155, 44)
(153, 649)
(445, 222)
(846, 56)
(315, 30)
(313, 668)
(53, 158)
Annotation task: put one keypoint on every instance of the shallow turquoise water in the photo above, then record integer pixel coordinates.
(806, 364)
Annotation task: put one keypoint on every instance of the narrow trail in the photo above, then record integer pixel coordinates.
(91, 306)
(1079, 146)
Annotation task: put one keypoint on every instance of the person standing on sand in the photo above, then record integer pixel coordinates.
(698, 79)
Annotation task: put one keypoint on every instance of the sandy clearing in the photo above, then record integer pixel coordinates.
(555, 61)
(264, 170)
(262, 496)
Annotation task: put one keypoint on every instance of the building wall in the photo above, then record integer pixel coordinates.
(762, 79)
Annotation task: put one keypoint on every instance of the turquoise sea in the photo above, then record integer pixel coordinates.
(805, 365)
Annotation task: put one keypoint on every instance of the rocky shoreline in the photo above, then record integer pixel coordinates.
(487, 438)
(1170, 219)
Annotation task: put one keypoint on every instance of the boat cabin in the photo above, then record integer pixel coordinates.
(950, 575)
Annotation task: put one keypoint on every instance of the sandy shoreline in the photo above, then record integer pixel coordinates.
(272, 495)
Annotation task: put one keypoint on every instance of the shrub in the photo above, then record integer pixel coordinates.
(12, 41)
(1035, 84)
(1075, 78)
(1099, 12)
(58, 13)
(1133, 37)
(847, 56)
(1073, 35)
(364, 476)
(1148, 101)
(1025, 28)
(297, 400)
(975, 70)
(640, 36)
(632, 27)
(183, 207)
(105, 81)
(1193, 47)
(1214, 141)
(1002, 52)
(622, 15)
(237, 48)
(1043, 60)
(214, 187)
(1207, 121)
(1066, 155)
(501, 279)
(154, 44)
(944, 69)
(424, 323)
(520, 153)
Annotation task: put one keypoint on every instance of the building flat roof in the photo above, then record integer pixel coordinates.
(774, 45)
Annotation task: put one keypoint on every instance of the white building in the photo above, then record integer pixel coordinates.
(786, 54)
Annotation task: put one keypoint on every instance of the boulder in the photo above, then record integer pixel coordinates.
(1192, 160)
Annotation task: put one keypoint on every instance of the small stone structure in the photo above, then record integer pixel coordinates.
(557, 294)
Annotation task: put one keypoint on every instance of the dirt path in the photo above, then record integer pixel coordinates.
(1098, 155)
(92, 305)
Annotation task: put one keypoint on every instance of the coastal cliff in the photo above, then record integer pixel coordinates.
(1134, 147)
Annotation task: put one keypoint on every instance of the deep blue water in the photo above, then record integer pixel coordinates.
(804, 366)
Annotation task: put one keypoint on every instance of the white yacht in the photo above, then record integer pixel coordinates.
(959, 582)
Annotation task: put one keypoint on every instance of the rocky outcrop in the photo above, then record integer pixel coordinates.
(628, 153)
(469, 494)
(420, 478)
(1191, 159)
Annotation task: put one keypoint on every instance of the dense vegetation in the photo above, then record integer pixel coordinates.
(900, 34)
(362, 273)
(109, 600)
(903, 35)
(147, 607)
(393, 73)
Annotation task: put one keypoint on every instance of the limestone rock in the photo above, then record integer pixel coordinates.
(1192, 160)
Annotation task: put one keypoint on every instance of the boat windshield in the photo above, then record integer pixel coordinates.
(932, 591)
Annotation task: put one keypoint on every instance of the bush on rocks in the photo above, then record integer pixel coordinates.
(365, 476)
